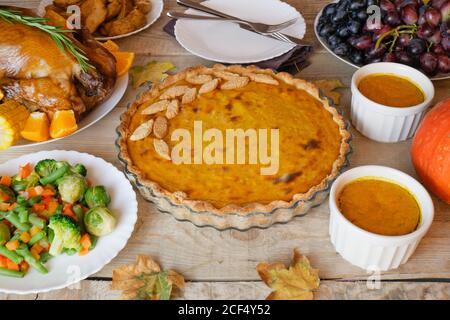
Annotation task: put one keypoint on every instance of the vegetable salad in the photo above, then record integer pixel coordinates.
(49, 210)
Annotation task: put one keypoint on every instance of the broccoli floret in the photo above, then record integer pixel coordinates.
(80, 169)
(19, 184)
(66, 234)
(46, 167)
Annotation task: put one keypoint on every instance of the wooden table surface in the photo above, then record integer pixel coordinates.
(221, 265)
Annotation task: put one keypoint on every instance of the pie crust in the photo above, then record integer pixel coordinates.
(204, 213)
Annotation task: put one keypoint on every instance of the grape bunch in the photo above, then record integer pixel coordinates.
(412, 32)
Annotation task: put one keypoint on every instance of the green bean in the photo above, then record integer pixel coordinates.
(21, 201)
(11, 273)
(14, 219)
(37, 237)
(30, 259)
(23, 215)
(79, 213)
(16, 236)
(50, 235)
(94, 240)
(70, 252)
(36, 221)
(51, 178)
(34, 200)
(3, 214)
(11, 255)
(45, 257)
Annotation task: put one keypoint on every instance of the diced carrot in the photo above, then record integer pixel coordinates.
(39, 207)
(24, 266)
(31, 192)
(37, 248)
(4, 197)
(12, 245)
(25, 237)
(24, 171)
(39, 190)
(12, 206)
(48, 192)
(11, 265)
(6, 181)
(52, 206)
(2, 262)
(34, 230)
(83, 252)
(67, 210)
(85, 241)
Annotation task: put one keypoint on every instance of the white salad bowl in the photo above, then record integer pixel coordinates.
(372, 251)
(383, 123)
(67, 270)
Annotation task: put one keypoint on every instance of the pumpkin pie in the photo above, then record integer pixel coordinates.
(311, 145)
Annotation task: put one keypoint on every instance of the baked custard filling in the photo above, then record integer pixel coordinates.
(309, 144)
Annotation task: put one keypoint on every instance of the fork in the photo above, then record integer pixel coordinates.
(258, 27)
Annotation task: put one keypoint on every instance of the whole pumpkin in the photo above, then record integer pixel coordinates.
(431, 150)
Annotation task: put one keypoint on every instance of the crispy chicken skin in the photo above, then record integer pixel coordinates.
(41, 76)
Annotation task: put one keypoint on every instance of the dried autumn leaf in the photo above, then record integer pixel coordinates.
(328, 87)
(145, 280)
(153, 72)
(296, 283)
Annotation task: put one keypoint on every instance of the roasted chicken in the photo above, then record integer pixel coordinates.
(35, 72)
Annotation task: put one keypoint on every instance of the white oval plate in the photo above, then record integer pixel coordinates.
(66, 270)
(325, 45)
(92, 117)
(226, 42)
(152, 16)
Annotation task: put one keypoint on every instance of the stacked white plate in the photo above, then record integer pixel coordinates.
(226, 42)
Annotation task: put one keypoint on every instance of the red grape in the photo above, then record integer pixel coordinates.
(433, 16)
(436, 37)
(416, 47)
(445, 11)
(362, 43)
(443, 64)
(429, 63)
(438, 49)
(409, 14)
(404, 39)
(403, 57)
(425, 31)
(446, 43)
(378, 33)
(392, 18)
(374, 53)
(387, 5)
(390, 57)
(437, 4)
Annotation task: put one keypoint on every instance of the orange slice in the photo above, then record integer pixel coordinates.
(63, 124)
(111, 46)
(36, 127)
(124, 61)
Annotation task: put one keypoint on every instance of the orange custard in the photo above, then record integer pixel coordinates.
(391, 90)
(379, 206)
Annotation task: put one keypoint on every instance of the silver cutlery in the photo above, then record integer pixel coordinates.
(257, 27)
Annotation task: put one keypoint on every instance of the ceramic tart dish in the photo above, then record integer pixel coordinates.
(314, 143)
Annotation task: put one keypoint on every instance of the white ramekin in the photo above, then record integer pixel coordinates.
(388, 124)
(368, 250)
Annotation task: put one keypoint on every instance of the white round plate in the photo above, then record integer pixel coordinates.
(92, 117)
(66, 270)
(226, 42)
(152, 16)
(325, 45)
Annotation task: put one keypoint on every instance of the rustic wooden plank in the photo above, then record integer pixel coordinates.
(329, 290)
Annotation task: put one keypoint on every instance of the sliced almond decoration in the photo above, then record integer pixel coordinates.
(198, 78)
(236, 83)
(262, 78)
(161, 148)
(156, 107)
(209, 86)
(160, 127)
(226, 75)
(189, 96)
(174, 92)
(172, 109)
(143, 131)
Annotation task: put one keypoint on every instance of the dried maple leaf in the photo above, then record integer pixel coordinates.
(145, 280)
(328, 87)
(153, 72)
(296, 283)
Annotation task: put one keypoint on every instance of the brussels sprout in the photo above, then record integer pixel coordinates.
(99, 221)
(80, 169)
(6, 194)
(22, 184)
(4, 233)
(97, 196)
(72, 187)
(46, 167)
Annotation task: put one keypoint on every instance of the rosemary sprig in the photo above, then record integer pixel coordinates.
(56, 33)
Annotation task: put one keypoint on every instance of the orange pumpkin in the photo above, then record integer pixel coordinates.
(431, 150)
